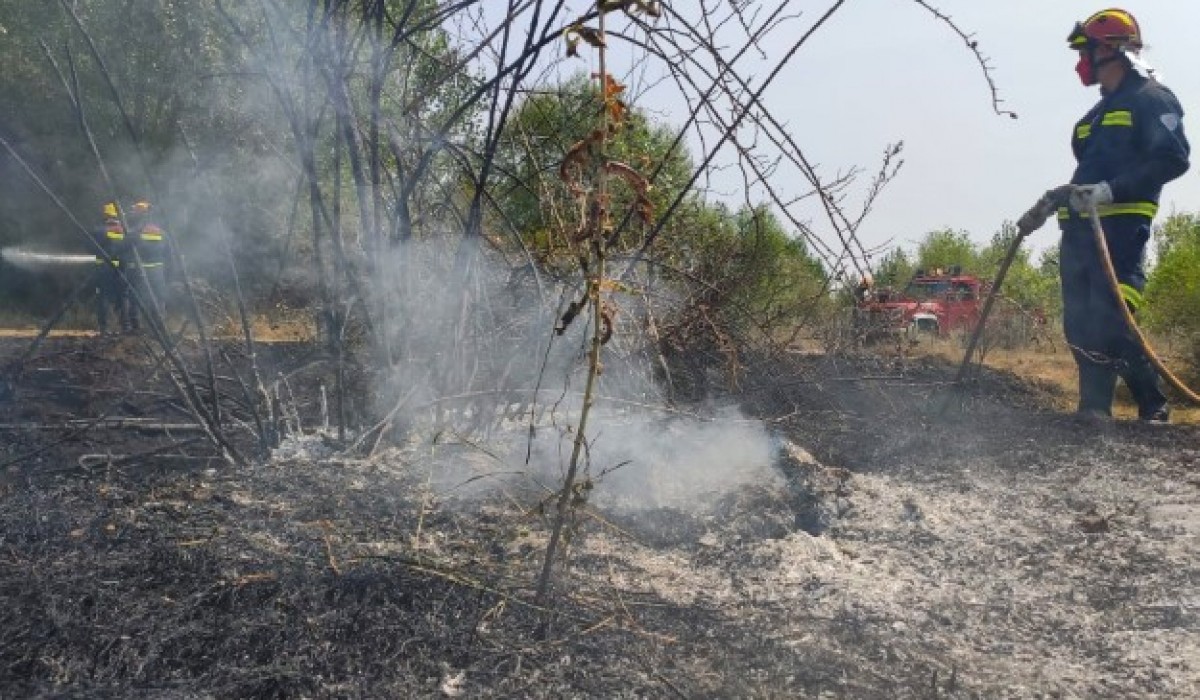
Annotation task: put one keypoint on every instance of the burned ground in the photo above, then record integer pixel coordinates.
(994, 549)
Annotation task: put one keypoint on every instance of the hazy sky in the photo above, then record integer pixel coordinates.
(885, 70)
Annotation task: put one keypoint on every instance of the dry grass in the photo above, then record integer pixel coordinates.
(291, 327)
(1053, 369)
(286, 326)
(79, 319)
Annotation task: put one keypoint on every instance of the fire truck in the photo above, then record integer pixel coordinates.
(937, 302)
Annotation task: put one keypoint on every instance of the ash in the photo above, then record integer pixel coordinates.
(876, 549)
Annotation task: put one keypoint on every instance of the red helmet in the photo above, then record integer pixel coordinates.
(1114, 28)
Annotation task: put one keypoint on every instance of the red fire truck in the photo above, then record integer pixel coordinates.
(937, 301)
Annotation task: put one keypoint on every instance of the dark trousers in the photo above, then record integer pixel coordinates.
(110, 296)
(1104, 348)
(151, 285)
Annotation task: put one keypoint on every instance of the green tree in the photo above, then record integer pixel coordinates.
(1032, 287)
(778, 278)
(947, 248)
(1047, 268)
(1173, 287)
(895, 269)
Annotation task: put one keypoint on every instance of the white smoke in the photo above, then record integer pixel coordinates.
(485, 367)
(641, 460)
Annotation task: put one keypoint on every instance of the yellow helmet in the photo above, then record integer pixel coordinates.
(1113, 27)
(140, 206)
(110, 210)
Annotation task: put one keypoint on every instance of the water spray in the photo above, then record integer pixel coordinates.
(30, 259)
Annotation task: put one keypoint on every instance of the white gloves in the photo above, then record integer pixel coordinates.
(1084, 197)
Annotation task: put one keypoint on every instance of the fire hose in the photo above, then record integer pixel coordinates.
(1041, 211)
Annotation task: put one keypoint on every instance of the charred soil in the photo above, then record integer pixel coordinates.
(919, 542)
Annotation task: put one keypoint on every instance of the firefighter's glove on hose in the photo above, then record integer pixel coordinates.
(1085, 197)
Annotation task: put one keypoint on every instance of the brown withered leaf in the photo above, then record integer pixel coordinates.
(611, 87)
(617, 110)
(626, 172)
(615, 285)
(607, 314)
(569, 315)
(591, 35)
(641, 187)
(645, 210)
(650, 8)
(572, 37)
(575, 158)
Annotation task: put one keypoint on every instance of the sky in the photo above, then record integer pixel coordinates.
(883, 71)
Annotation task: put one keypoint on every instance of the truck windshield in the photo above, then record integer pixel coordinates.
(920, 289)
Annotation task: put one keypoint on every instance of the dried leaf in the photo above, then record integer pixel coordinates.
(645, 211)
(613, 285)
(576, 159)
(641, 186)
(572, 37)
(624, 171)
(607, 313)
(616, 111)
(573, 310)
(591, 35)
(577, 33)
(650, 8)
(611, 87)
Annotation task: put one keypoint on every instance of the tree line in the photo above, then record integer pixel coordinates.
(1173, 271)
(302, 139)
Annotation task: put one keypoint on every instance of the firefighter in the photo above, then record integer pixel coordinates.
(110, 287)
(148, 254)
(862, 291)
(1127, 147)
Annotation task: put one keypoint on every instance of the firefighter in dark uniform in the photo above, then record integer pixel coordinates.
(148, 260)
(110, 287)
(1126, 147)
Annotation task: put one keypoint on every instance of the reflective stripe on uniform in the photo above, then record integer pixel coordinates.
(152, 264)
(115, 235)
(1137, 208)
(1121, 117)
(115, 263)
(152, 237)
(1083, 131)
(1132, 297)
(1148, 209)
